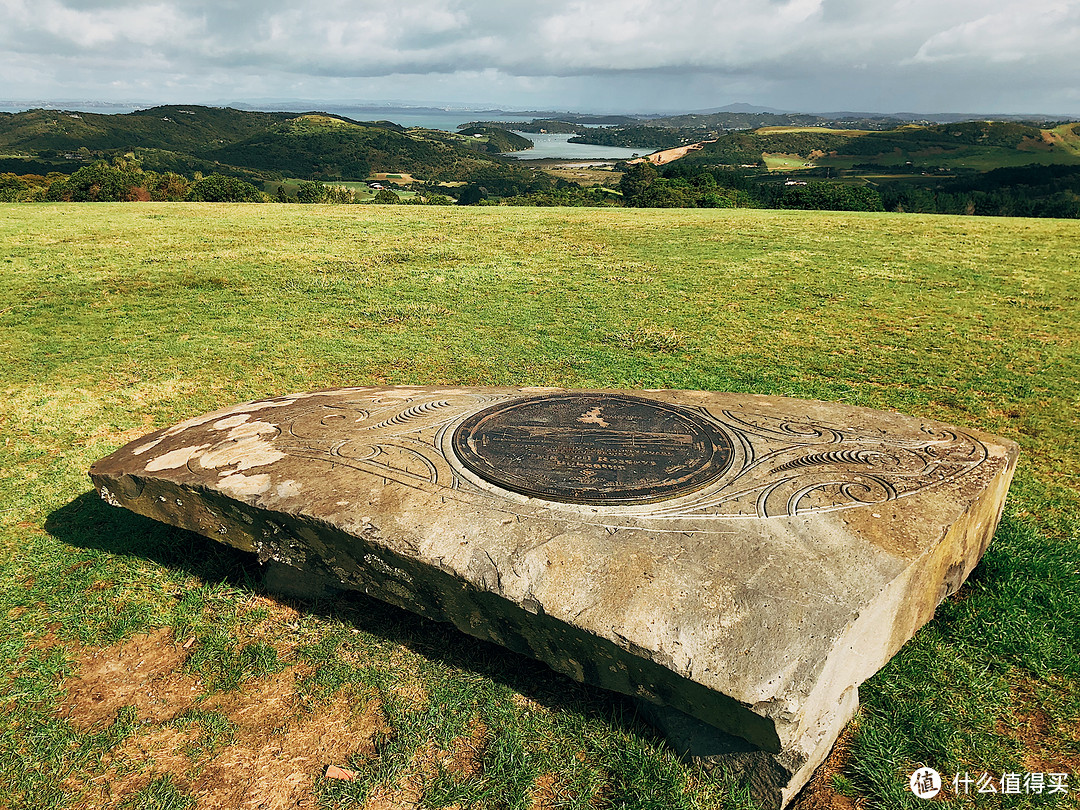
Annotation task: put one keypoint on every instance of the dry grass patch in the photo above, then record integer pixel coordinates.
(273, 750)
(546, 793)
(1040, 734)
(275, 768)
(142, 671)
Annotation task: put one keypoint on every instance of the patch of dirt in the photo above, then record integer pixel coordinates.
(405, 795)
(281, 619)
(139, 672)
(819, 793)
(465, 758)
(1037, 732)
(262, 706)
(133, 766)
(45, 642)
(145, 756)
(668, 155)
(545, 793)
(274, 768)
(412, 693)
(276, 753)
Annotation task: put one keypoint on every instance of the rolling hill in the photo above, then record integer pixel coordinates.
(976, 145)
(192, 138)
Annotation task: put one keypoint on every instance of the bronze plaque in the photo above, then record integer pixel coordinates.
(593, 448)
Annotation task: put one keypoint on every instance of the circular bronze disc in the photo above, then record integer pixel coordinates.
(593, 448)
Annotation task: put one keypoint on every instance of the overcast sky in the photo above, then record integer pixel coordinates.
(605, 55)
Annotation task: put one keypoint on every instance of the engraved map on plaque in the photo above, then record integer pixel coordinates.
(593, 448)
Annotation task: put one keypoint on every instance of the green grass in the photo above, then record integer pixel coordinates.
(979, 158)
(116, 319)
(777, 161)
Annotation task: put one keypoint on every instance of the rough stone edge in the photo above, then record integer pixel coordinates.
(425, 589)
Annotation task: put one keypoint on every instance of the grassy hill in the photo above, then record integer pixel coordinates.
(973, 145)
(494, 139)
(190, 129)
(325, 148)
(192, 138)
(116, 320)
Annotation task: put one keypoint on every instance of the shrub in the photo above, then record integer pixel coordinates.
(386, 197)
(311, 193)
(219, 188)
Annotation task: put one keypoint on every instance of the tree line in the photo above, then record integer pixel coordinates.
(124, 180)
(1036, 191)
(689, 186)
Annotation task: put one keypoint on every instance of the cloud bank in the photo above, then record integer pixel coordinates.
(928, 55)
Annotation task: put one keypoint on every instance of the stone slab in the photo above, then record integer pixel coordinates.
(743, 560)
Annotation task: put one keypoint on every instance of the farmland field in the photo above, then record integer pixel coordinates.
(116, 319)
(778, 161)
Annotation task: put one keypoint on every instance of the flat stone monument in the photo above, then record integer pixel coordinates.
(738, 563)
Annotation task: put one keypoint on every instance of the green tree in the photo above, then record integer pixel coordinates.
(12, 188)
(101, 182)
(636, 181)
(170, 187)
(311, 192)
(219, 188)
(666, 194)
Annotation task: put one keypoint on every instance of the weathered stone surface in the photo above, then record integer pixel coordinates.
(745, 560)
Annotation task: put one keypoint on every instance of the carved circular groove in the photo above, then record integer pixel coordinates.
(593, 448)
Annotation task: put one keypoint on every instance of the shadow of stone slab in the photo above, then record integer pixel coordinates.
(741, 561)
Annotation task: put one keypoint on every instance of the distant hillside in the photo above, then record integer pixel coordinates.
(746, 119)
(174, 128)
(320, 147)
(636, 137)
(192, 138)
(976, 145)
(495, 139)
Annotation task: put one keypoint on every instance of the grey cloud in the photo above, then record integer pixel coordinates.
(789, 45)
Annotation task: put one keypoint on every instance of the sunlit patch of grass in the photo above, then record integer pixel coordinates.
(116, 320)
(216, 730)
(162, 793)
(648, 337)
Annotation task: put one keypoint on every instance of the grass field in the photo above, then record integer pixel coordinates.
(778, 161)
(849, 132)
(116, 319)
(1068, 135)
(979, 158)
